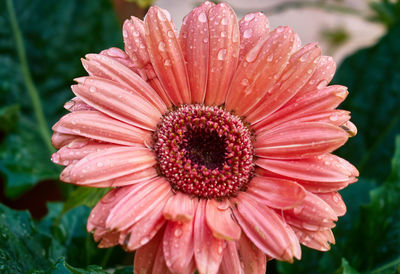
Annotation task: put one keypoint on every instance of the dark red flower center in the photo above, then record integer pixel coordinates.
(204, 151)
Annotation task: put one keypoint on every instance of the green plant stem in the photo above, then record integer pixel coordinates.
(386, 266)
(30, 86)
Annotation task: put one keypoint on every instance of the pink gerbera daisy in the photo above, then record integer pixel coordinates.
(216, 142)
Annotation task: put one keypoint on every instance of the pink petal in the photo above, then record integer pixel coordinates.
(335, 201)
(95, 125)
(116, 101)
(107, 238)
(321, 77)
(220, 221)
(258, 71)
(320, 100)
(120, 56)
(253, 27)
(231, 262)
(141, 176)
(59, 140)
(350, 128)
(98, 216)
(194, 38)
(224, 52)
(208, 250)
(318, 240)
(252, 259)
(166, 55)
(321, 168)
(141, 200)
(106, 68)
(77, 104)
(275, 192)
(135, 46)
(179, 208)
(108, 164)
(335, 117)
(146, 256)
(313, 214)
(264, 228)
(295, 75)
(69, 154)
(178, 246)
(146, 228)
(300, 140)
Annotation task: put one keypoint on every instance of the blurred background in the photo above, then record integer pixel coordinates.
(41, 43)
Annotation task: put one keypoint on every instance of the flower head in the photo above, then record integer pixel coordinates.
(216, 142)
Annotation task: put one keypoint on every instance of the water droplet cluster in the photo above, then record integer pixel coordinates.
(204, 151)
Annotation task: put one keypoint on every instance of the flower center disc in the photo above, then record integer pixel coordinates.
(204, 151)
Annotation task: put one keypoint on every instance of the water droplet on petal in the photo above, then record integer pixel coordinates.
(170, 34)
(205, 40)
(322, 84)
(223, 206)
(92, 89)
(247, 33)
(223, 33)
(161, 15)
(270, 58)
(221, 54)
(224, 21)
(167, 62)
(100, 164)
(144, 240)
(136, 33)
(178, 232)
(202, 17)
(124, 34)
(245, 82)
(220, 249)
(161, 46)
(334, 118)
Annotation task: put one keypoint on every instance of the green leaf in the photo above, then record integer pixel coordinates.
(26, 246)
(373, 76)
(87, 196)
(345, 268)
(54, 36)
(62, 267)
(8, 117)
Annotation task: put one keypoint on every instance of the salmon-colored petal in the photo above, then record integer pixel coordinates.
(322, 100)
(275, 192)
(141, 200)
(166, 55)
(335, 201)
(263, 227)
(335, 117)
(95, 125)
(116, 101)
(120, 56)
(319, 240)
(107, 238)
(321, 168)
(295, 75)
(252, 259)
(230, 261)
(160, 265)
(146, 228)
(146, 256)
(69, 154)
(108, 164)
(224, 52)
(312, 214)
(135, 46)
(99, 214)
(180, 208)
(253, 27)
(350, 128)
(208, 250)
(107, 68)
(219, 220)
(178, 246)
(77, 104)
(59, 140)
(194, 37)
(321, 77)
(300, 140)
(260, 69)
(137, 177)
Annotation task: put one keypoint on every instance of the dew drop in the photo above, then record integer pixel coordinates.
(247, 33)
(77, 131)
(249, 17)
(303, 58)
(221, 54)
(100, 164)
(144, 240)
(136, 33)
(270, 58)
(245, 82)
(161, 16)
(161, 46)
(309, 71)
(202, 17)
(223, 206)
(220, 249)
(205, 40)
(124, 33)
(297, 210)
(167, 63)
(334, 118)
(224, 21)
(170, 34)
(92, 89)
(178, 232)
(223, 33)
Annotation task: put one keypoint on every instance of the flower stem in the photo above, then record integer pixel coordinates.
(30, 86)
(386, 266)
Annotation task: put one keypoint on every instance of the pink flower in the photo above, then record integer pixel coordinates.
(216, 141)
